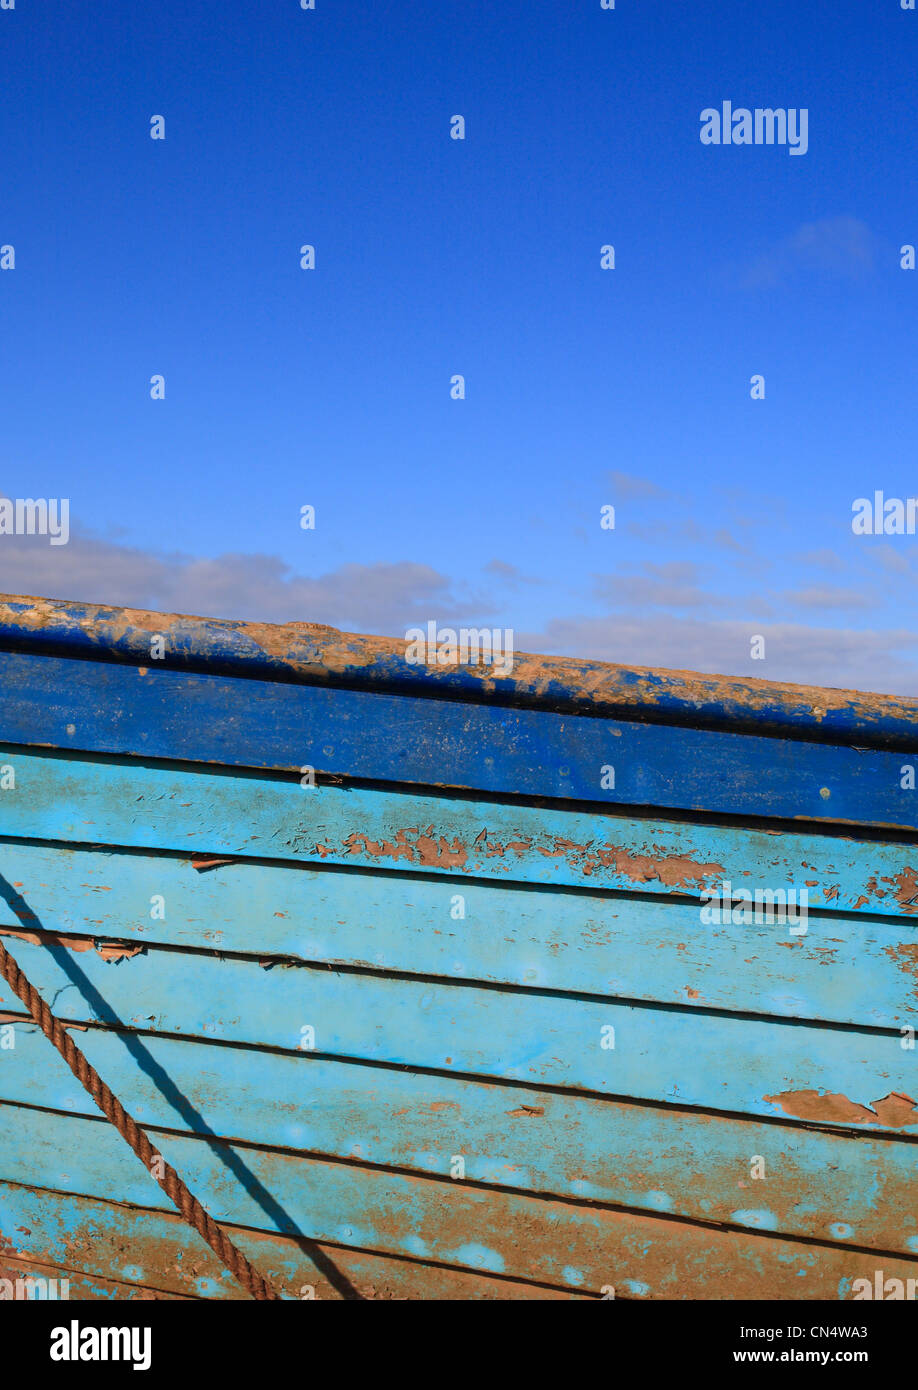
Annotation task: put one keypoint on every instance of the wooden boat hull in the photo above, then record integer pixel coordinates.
(408, 972)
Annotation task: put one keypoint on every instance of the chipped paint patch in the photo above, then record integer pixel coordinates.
(905, 955)
(429, 849)
(894, 1111)
(114, 950)
(906, 889)
(108, 950)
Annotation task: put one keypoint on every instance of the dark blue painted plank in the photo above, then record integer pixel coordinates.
(105, 708)
(315, 653)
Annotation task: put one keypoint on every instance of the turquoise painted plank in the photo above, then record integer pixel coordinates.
(686, 1056)
(318, 654)
(63, 798)
(830, 1187)
(846, 969)
(104, 707)
(157, 1247)
(72, 1286)
(525, 1237)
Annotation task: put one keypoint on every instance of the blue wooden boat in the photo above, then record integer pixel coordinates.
(576, 982)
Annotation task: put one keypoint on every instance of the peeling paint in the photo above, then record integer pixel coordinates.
(108, 950)
(894, 1111)
(428, 849)
(113, 950)
(905, 955)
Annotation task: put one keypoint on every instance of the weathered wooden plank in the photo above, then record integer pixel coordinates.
(98, 1236)
(103, 707)
(827, 1186)
(58, 797)
(32, 1280)
(529, 1238)
(316, 653)
(845, 969)
(642, 1051)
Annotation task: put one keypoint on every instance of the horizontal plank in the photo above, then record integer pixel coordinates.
(99, 1236)
(103, 707)
(723, 1062)
(528, 1238)
(844, 969)
(319, 654)
(72, 1285)
(825, 1186)
(156, 806)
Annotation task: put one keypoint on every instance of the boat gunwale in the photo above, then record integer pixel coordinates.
(317, 654)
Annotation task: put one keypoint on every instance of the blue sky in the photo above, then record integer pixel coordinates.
(434, 256)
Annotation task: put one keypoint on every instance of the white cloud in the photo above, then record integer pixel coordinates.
(670, 585)
(628, 485)
(840, 246)
(387, 598)
(828, 596)
(841, 657)
(382, 598)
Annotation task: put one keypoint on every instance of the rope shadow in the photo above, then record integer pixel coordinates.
(231, 1159)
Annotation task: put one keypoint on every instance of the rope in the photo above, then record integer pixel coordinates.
(111, 1107)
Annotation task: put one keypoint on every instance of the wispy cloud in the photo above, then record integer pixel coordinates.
(822, 559)
(627, 486)
(847, 658)
(828, 596)
(669, 585)
(382, 598)
(837, 246)
(708, 627)
(509, 575)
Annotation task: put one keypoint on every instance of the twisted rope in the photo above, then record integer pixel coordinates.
(111, 1107)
